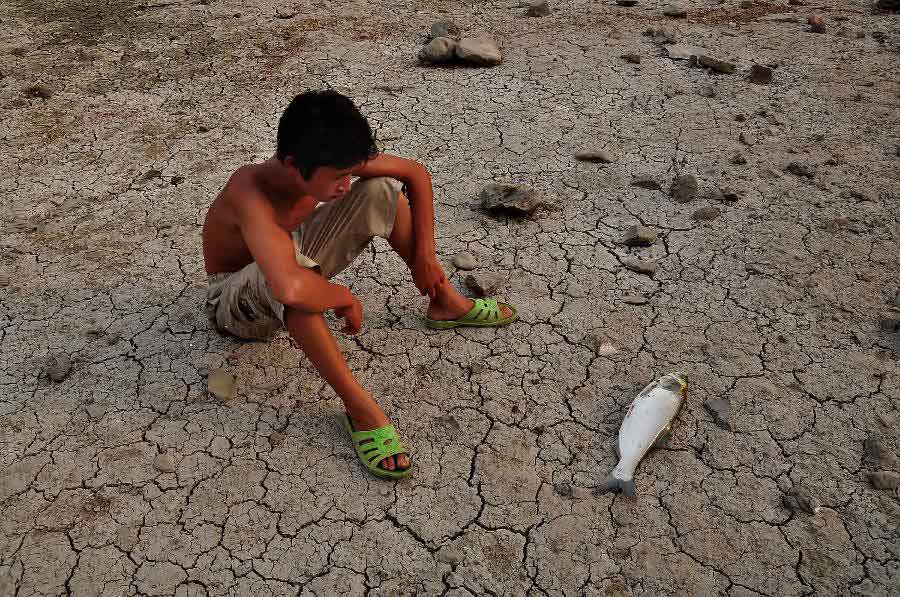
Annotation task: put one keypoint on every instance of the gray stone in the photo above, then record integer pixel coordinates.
(706, 91)
(58, 367)
(599, 156)
(450, 555)
(876, 454)
(635, 299)
(95, 410)
(799, 499)
(519, 199)
(684, 52)
(884, 480)
(738, 159)
(438, 50)
(761, 75)
(713, 64)
(632, 58)
(645, 181)
(481, 50)
(626, 2)
(164, 463)
(890, 324)
(638, 265)
(801, 169)
(444, 28)
(675, 11)
(39, 91)
(465, 261)
(484, 284)
(748, 138)
(706, 214)
(638, 235)
(661, 35)
(721, 412)
(684, 188)
(538, 8)
(730, 195)
(276, 438)
(283, 12)
(563, 489)
(221, 384)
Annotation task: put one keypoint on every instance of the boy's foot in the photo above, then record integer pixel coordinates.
(449, 304)
(372, 417)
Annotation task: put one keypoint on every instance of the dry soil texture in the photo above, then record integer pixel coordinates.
(122, 119)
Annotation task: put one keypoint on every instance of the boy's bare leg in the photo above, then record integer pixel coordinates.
(312, 334)
(448, 303)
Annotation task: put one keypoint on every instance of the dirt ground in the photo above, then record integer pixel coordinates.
(121, 119)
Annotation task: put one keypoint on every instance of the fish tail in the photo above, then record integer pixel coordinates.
(613, 483)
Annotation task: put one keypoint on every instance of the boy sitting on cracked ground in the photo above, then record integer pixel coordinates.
(281, 229)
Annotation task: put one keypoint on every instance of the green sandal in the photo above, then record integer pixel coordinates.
(384, 443)
(485, 313)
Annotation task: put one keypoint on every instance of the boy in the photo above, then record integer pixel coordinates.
(270, 248)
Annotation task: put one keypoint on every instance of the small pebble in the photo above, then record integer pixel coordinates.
(538, 8)
(58, 367)
(221, 384)
(164, 463)
(635, 299)
(484, 284)
(684, 188)
(884, 480)
(675, 11)
(465, 261)
(816, 23)
(706, 214)
(599, 156)
(638, 235)
(645, 181)
(761, 75)
(638, 265)
(800, 500)
(41, 91)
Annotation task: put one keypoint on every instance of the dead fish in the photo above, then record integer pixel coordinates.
(648, 422)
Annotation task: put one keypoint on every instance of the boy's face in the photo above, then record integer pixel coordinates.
(326, 183)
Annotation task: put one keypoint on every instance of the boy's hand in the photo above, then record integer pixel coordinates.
(427, 275)
(353, 315)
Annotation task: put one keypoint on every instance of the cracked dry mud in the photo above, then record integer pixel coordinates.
(120, 122)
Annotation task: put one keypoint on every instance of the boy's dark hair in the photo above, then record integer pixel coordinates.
(324, 128)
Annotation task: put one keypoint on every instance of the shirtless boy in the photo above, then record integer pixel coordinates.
(281, 229)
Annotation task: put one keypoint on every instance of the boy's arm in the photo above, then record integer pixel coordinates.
(426, 270)
(273, 250)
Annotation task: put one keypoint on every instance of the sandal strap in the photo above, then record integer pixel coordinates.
(384, 443)
(484, 310)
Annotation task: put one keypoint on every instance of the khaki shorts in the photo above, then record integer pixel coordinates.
(241, 303)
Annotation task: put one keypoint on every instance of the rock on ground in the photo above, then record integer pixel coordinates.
(484, 284)
(511, 198)
(638, 235)
(439, 49)
(481, 50)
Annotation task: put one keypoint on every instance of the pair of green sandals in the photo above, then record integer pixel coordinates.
(373, 446)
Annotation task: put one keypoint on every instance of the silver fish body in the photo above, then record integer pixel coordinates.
(649, 419)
